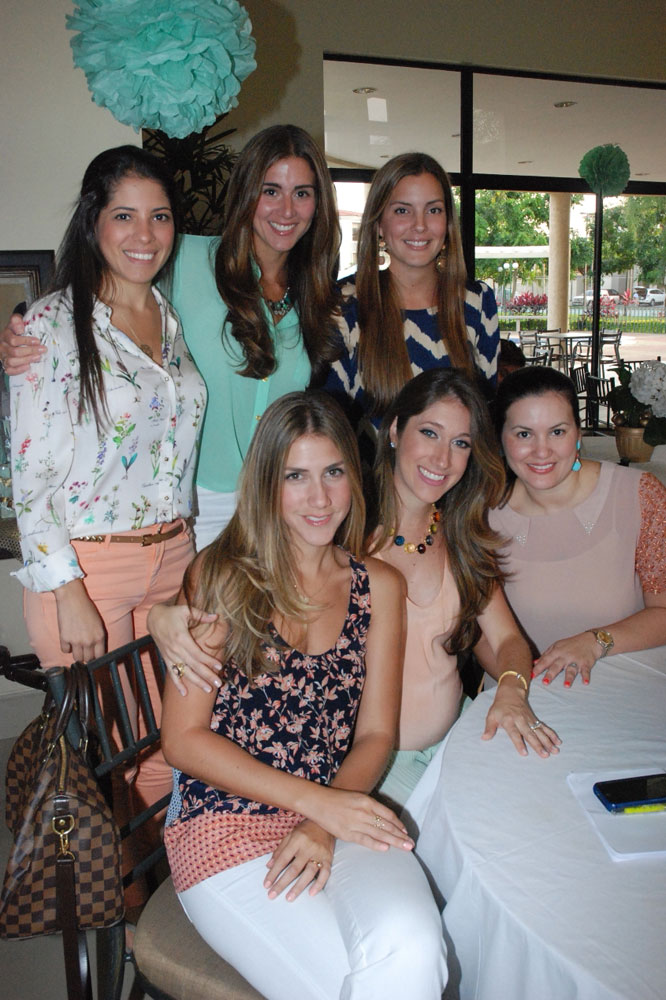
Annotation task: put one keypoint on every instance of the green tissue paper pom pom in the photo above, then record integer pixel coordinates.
(606, 170)
(173, 65)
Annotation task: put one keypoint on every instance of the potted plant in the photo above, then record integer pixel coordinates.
(639, 410)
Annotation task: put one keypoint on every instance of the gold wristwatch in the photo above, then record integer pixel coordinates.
(604, 638)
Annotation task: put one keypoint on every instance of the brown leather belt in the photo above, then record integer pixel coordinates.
(152, 539)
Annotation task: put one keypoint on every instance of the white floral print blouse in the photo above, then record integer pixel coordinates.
(68, 480)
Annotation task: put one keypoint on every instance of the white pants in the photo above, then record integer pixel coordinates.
(373, 933)
(215, 512)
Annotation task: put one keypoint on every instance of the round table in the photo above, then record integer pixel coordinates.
(535, 906)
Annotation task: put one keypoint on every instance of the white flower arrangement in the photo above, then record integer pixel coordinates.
(640, 400)
(648, 385)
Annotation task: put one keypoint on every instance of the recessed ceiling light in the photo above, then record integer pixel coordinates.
(564, 104)
(525, 161)
(364, 90)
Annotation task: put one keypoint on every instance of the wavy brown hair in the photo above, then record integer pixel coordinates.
(311, 266)
(471, 545)
(248, 574)
(380, 316)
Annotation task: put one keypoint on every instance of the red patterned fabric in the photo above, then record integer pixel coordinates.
(212, 842)
(651, 548)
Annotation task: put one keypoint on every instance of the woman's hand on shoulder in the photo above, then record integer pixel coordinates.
(171, 627)
(303, 858)
(511, 711)
(18, 352)
(575, 655)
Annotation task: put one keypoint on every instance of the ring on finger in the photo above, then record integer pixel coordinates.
(379, 823)
(178, 669)
(535, 725)
(574, 665)
(319, 864)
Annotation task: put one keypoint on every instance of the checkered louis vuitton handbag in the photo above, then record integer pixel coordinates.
(64, 868)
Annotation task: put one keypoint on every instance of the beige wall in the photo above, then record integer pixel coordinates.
(50, 128)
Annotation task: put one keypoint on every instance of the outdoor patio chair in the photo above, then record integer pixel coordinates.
(578, 376)
(550, 340)
(171, 961)
(597, 400)
(528, 344)
(543, 358)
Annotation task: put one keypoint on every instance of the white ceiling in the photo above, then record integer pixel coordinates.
(514, 120)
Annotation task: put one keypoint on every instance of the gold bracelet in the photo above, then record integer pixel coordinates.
(512, 673)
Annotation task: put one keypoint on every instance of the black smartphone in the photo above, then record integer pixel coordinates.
(643, 793)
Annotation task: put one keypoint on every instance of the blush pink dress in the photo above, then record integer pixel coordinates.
(587, 566)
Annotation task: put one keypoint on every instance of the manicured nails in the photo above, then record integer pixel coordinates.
(546, 680)
(532, 676)
(567, 684)
(586, 680)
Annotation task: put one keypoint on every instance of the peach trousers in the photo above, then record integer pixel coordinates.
(123, 581)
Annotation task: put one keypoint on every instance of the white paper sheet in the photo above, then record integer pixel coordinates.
(625, 836)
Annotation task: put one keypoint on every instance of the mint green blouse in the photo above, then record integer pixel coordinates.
(235, 403)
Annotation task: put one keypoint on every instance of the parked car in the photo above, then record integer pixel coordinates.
(610, 293)
(652, 296)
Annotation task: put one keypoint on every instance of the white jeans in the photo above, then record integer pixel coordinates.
(215, 512)
(374, 932)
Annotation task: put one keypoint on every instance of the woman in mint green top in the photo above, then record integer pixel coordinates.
(257, 304)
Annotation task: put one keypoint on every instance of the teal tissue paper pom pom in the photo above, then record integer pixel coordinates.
(606, 170)
(174, 65)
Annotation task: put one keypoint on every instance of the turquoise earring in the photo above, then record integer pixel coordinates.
(577, 466)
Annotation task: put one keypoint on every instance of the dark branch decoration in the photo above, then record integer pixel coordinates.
(201, 164)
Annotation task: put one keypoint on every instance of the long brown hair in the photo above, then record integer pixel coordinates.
(380, 315)
(80, 264)
(312, 263)
(471, 545)
(248, 574)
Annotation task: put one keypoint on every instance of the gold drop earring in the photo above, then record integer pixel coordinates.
(384, 259)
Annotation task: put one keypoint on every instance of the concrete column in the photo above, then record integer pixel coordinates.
(558, 261)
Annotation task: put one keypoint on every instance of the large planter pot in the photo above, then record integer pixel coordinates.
(630, 445)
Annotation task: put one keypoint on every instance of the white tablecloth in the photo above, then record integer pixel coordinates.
(535, 907)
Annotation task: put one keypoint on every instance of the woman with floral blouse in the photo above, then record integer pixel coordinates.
(105, 427)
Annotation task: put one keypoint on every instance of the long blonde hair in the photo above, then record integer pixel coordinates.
(383, 358)
(471, 545)
(248, 575)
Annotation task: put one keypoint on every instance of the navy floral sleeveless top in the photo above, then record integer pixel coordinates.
(299, 719)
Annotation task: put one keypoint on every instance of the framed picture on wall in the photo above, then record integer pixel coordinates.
(24, 276)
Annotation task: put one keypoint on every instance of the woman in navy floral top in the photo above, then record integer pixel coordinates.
(410, 308)
(276, 847)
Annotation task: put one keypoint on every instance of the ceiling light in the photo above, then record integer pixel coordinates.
(377, 109)
(364, 90)
(564, 104)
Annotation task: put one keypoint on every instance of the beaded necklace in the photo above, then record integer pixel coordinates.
(281, 307)
(429, 539)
